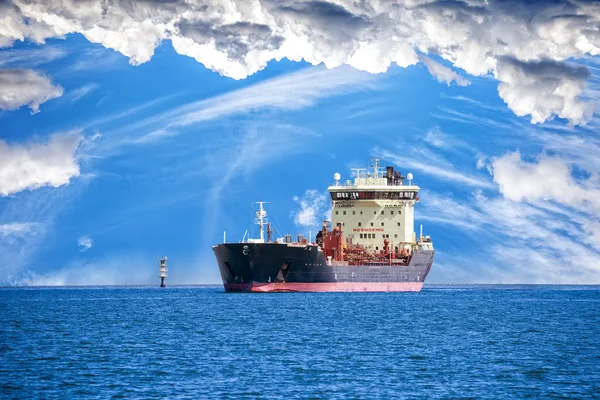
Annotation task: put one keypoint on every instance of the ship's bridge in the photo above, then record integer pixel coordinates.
(376, 205)
(374, 185)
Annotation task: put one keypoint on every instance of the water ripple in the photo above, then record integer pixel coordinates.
(197, 342)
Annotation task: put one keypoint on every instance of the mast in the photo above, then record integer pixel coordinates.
(261, 214)
(261, 220)
(375, 166)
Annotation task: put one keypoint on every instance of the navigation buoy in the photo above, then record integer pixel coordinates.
(162, 263)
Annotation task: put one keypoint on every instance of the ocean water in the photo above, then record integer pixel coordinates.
(199, 342)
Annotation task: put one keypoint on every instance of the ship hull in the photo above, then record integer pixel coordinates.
(275, 267)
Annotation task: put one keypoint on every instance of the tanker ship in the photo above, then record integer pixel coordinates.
(369, 245)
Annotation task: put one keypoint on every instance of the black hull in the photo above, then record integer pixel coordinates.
(266, 267)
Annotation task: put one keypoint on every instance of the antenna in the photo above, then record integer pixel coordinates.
(375, 166)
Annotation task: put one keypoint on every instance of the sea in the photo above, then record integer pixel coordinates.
(198, 342)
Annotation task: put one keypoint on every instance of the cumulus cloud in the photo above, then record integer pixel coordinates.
(239, 37)
(85, 243)
(544, 89)
(442, 73)
(546, 178)
(20, 87)
(36, 164)
(313, 209)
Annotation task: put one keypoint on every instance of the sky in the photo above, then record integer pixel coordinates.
(132, 130)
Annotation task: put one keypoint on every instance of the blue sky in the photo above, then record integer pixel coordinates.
(111, 155)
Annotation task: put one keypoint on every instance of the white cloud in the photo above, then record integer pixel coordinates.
(85, 243)
(547, 178)
(314, 208)
(36, 164)
(239, 37)
(442, 73)
(20, 87)
(544, 89)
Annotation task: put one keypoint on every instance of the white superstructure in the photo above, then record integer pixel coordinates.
(376, 205)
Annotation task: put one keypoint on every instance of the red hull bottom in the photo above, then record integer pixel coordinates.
(325, 287)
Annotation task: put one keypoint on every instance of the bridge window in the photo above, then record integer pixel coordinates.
(371, 224)
(361, 235)
(353, 212)
(392, 212)
(382, 212)
(344, 212)
(337, 213)
(398, 223)
(382, 224)
(395, 236)
(360, 224)
(375, 212)
(361, 213)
